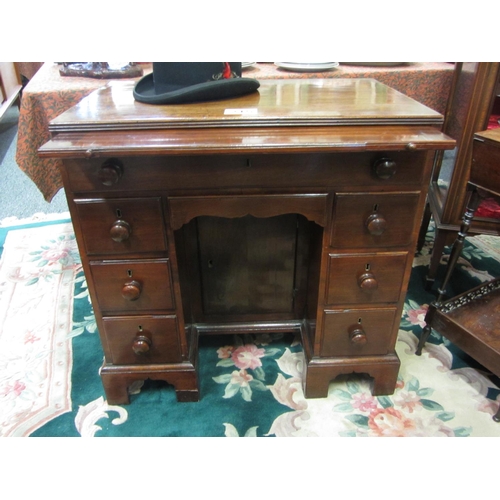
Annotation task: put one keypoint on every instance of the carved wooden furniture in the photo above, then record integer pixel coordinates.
(472, 320)
(475, 92)
(295, 208)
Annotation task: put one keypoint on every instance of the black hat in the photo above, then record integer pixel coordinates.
(185, 82)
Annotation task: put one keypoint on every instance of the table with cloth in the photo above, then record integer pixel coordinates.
(48, 94)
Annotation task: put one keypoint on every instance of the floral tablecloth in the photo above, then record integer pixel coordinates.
(47, 95)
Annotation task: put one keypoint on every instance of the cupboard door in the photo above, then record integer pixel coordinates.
(247, 264)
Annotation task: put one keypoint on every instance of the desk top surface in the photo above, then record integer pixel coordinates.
(293, 102)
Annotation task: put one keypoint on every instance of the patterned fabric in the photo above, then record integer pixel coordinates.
(48, 95)
(250, 385)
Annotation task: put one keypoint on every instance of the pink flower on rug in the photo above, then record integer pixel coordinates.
(407, 400)
(241, 378)
(389, 422)
(30, 337)
(363, 402)
(248, 357)
(58, 252)
(16, 389)
(417, 316)
(225, 352)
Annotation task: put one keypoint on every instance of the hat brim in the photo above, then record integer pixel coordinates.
(144, 91)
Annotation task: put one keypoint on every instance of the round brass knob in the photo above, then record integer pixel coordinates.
(357, 335)
(110, 172)
(141, 345)
(131, 290)
(376, 224)
(367, 282)
(120, 231)
(384, 168)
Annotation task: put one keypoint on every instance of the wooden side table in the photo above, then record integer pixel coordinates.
(472, 320)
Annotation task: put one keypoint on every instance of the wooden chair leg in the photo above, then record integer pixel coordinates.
(452, 261)
(423, 339)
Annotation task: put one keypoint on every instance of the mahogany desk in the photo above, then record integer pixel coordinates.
(295, 208)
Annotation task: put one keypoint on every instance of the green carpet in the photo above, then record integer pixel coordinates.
(50, 384)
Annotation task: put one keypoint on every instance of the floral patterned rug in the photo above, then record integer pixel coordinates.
(50, 357)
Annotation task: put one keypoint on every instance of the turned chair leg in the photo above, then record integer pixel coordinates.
(452, 261)
(423, 339)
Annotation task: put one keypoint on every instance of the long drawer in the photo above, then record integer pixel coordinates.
(395, 168)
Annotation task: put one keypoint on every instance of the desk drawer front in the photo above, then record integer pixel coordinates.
(143, 339)
(131, 286)
(224, 172)
(370, 278)
(118, 226)
(357, 332)
(374, 220)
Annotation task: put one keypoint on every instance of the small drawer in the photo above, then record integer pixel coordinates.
(132, 286)
(143, 339)
(374, 220)
(366, 278)
(357, 332)
(394, 168)
(119, 226)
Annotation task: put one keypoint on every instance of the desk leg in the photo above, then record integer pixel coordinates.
(117, 379)
(320, 372)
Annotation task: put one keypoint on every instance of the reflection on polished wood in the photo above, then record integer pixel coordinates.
(296, 210)
(298, 102)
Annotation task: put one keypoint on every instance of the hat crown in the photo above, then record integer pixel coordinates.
(169, 75)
